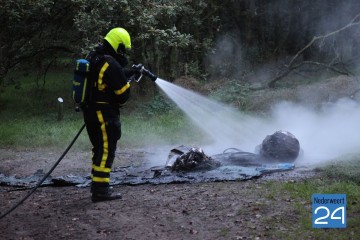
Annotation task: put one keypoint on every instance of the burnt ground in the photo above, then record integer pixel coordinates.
(216, 210)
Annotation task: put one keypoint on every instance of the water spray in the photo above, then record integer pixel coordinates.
(324, 134)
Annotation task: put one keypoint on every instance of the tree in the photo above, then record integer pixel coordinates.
(166, 34)
(335, 58)
(268, 32)
(173, 38)
(34, 33)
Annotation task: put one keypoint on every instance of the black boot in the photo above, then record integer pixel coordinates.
(100, 197)
(100, 194)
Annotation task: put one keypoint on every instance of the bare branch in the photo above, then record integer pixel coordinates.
(326, 66)
(291, 66)
(355, 21)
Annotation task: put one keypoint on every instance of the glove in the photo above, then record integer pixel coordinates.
(130, 72)
(138, 67)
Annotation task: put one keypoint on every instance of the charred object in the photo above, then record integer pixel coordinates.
(280, 147)
(190, 159)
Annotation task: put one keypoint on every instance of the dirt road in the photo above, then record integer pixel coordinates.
(217, 210)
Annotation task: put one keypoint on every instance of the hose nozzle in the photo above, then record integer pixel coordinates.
(149, 74)
(145, 72)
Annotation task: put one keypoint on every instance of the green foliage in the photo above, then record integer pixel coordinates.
(234, 93)
(194, 69)
(47, 34)
(165, 34)
(93, 19)
(173, 38)
(158, 105)
(27, 96)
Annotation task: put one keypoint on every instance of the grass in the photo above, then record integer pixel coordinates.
(29, 111)
(39, 132)
(346, 168)
(46, 131)
(164, 129)
(28, 118)
(340, 178)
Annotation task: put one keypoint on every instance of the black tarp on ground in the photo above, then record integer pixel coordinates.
(155, 175)
(190, 165)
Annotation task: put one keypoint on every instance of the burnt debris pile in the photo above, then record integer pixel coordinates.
(277, 148)
(276, 153)
(190, 159)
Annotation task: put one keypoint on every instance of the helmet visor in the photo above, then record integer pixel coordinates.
(122, 50)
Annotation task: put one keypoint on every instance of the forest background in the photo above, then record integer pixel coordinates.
(244, 53)
(205, 39)
(250, 54)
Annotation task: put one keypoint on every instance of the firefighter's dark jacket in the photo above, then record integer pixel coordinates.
(109, 78)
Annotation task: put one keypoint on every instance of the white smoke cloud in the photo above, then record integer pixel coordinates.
(324, 134)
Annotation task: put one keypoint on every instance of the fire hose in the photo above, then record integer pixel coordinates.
(143, 71)
(46, 175)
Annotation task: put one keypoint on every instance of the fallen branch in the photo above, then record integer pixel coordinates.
(352, 23)
(291, 66)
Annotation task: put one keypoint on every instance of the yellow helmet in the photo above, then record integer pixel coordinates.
(119, 39)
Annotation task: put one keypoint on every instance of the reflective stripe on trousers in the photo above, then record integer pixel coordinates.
(104, 131)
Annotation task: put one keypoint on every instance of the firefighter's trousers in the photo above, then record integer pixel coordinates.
(104, 130)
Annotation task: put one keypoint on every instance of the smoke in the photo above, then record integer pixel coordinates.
(324, 134)
(226, 57)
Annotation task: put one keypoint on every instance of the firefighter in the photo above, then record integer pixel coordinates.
(111, 89)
